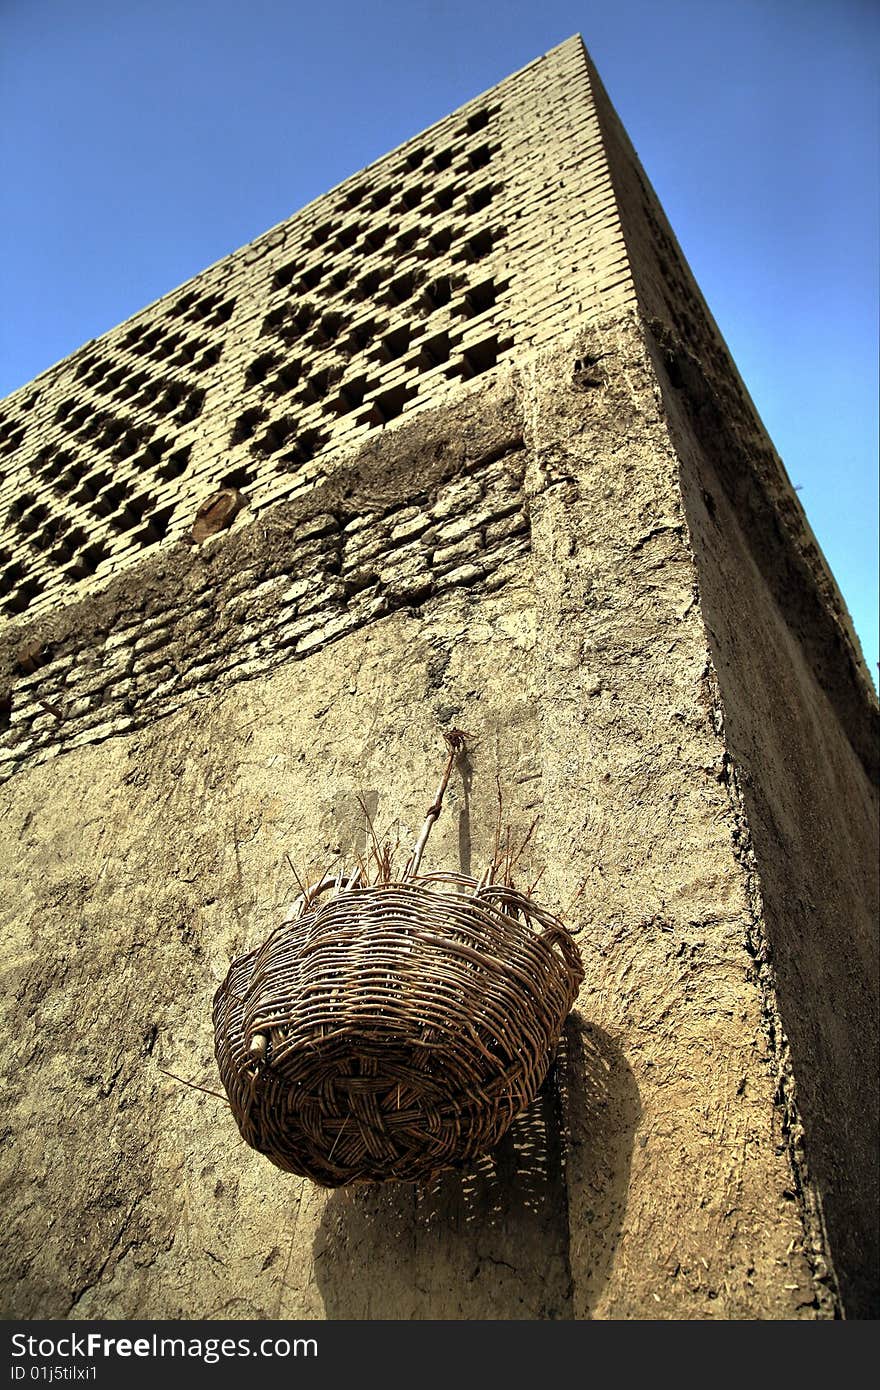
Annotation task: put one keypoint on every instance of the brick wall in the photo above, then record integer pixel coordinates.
(262, 596)
(473, 242)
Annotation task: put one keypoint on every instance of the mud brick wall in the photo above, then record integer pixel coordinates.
(479, 238)
(498, 470)
(336, 560)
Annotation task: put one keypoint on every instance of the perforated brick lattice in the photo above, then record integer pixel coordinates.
(346, 570)
(393, 293)
(433, 267)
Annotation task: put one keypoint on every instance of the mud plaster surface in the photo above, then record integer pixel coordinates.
(137, 867)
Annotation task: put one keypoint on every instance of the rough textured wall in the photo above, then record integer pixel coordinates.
(137, 866)
(637, 800)
(647, 1181)
(589, 557)
(807, 783)
(801, 729)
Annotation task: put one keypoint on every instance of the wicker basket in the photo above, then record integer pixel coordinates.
(396, 1029)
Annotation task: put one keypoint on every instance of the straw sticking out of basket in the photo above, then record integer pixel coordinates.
(394, 1028)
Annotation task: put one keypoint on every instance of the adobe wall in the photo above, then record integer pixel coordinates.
(806, 781)
(799, 718)
(378, 301)
(564, 634)
(479, 491)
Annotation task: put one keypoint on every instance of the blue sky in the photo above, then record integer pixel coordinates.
(142, 141)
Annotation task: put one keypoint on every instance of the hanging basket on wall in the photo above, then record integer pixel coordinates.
(396, 1028)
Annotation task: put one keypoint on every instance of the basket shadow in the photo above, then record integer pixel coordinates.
(602, 1108)
(489, 1242)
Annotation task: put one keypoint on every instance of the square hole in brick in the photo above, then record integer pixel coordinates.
(395, 344)
(84, 366)
(389, 404)
(283, 277)
(23, 596)
(87, 561)
(51, 533)
(151, 341)
(173, 394)
(259, 369)
(13, 440)
(112, 497)
(49, 462)
(186, 356)
(479, 246)
(276, 436)
(481, 357)
(148, 394)
(328, 326)
(433, 351)
(33, 518)
(130, 514)
(274, 321)
(239, 478)
(114, 381)
(175, 465)
(318, 384)
(439, 242)
(346, 237)
(376, 238)
(479, 158)
(368, 284)
(246, 425)
(411, 197)
(302, 318)
(477, 120)
(19, 506)
(354, 195)
(442, 160)
(436, 294)
(191, 407)
(406, 241)
(360, 337)
(223, 313)
(116, 434)
(285, 381)
(12, 574)
(156, 526)
(128, 445)
(209, 358)
(311, 277)
(480, 298)
(480, 198)
(305, 447)
(184, 304)
(351, 395)
(321, 234)
(401, 289)
(84, 493)
(444, 198)
(154, 451)
(380, 199)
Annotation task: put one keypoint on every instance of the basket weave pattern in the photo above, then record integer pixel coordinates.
(393, 1030)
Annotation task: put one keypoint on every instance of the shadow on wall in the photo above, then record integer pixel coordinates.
(600, 1101)
(491, 1242)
